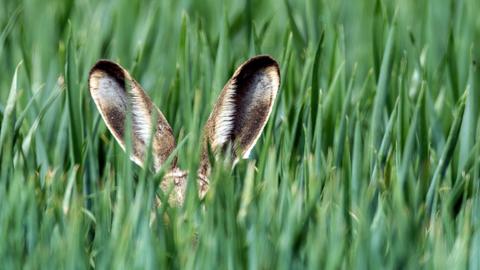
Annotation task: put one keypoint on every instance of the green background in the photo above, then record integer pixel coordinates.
(370, 159)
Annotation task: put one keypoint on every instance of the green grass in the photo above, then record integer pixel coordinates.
(371, 157)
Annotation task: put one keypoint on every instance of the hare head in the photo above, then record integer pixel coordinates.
(236, 122)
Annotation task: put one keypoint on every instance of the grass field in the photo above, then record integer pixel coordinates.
(370, 159)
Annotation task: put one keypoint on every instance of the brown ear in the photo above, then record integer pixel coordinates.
(116, 93)
(243, 108)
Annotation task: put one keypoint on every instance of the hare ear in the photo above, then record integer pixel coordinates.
(244, 105)
(116, 93)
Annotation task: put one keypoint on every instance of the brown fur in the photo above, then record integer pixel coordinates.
(114, 116)
(251, 111)
(246, 102)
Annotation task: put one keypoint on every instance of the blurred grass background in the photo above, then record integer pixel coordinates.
(371, 157)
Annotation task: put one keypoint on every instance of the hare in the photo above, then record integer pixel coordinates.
(237, 120)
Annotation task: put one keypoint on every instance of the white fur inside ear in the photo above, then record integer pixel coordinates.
(142, 122)
(268, 82)
(106, 88)
(108, 93)
(226, 117)
(259, 92)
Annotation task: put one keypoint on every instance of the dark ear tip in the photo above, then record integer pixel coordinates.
(264, 60)
(106, 66)
(260, 62)
(110, 68)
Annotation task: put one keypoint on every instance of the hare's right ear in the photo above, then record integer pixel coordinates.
(243, 108)
(116, 93)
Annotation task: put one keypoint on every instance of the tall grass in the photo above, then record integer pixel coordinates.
(371, 158)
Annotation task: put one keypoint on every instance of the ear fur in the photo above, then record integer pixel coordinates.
(116, 93)
(242, 109)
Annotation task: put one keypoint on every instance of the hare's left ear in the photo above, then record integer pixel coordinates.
(243, 108)
(117, 96)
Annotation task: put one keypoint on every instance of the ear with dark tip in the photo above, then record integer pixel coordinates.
(242, 109)
(116, 94)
